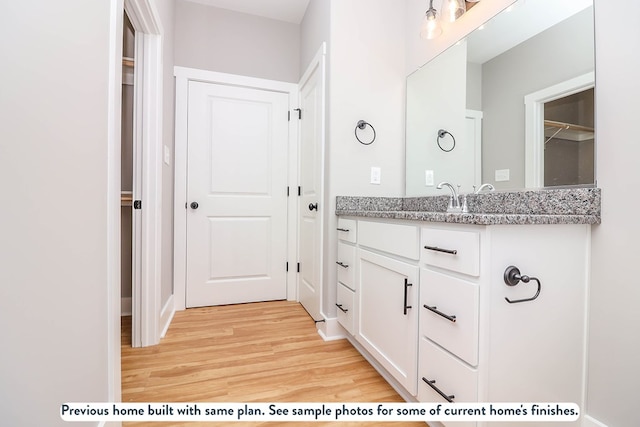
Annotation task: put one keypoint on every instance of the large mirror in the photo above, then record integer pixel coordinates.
(511, 105)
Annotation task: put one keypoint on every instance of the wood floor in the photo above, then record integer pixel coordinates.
(263, 352)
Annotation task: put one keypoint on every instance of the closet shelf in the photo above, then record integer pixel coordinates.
(568, 131)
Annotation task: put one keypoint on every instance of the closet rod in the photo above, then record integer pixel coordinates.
(567, 126)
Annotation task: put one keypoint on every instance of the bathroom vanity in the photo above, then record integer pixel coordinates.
(486, 306)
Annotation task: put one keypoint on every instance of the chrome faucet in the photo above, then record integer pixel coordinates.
(454, 201)
(483, 186)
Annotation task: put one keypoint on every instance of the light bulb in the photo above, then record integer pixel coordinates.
(453, 9)
(430, 28)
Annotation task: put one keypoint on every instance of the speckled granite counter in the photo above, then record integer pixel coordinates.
(557, 206)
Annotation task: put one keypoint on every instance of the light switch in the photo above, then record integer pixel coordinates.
(375, 175)
(428, 178)
(502, 175)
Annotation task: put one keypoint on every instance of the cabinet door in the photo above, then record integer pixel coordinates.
(388, 315)
(539, 345)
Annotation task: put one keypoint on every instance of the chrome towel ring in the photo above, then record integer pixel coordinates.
(361, 125)
(441, 134)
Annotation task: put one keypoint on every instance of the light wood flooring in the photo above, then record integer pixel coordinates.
(262, 352)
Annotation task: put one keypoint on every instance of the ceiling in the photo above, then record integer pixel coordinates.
(282, 10)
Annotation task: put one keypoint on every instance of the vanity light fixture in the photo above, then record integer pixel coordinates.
(451, 10)
(430, 28)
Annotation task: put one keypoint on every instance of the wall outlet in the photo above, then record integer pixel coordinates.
(428, 178)
(375, 175)
(502, 175)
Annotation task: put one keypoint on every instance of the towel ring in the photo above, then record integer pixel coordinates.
(441, 134)
(361, 125)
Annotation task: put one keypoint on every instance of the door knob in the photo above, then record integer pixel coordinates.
(194, 205)
(313, 206)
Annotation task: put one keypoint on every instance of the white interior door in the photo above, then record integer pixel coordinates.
(311, 179)
(237, 195)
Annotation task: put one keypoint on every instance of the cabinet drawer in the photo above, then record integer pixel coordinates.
(451, 376)
(397, 239)
(347, 230)
(452, 317)
(454, 250)
(346, 264)
(345, 303)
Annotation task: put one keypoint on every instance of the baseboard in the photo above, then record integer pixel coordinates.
(125, 306)
(166, 315)
(331, 330)
(589, 421)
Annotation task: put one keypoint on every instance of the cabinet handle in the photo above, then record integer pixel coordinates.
(451, 318)
(346, 230)
(446, 251)
(406, 287)
(341, 264)
(344, 310)
(432, 383)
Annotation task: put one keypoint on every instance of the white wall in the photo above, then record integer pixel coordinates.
(314, 30)
(166, 14)
(53, 221)
(367, 81)
(614, 341)
(214, 39)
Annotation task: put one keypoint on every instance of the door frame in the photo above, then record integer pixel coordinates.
(149, 118)
(183, 76)
(147, 141)
(534, 123)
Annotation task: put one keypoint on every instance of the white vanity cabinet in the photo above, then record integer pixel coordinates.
(477, 346)
(432, 307)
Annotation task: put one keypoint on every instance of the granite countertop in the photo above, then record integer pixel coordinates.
(545, 206)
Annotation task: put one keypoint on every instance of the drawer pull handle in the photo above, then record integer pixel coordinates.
(446, 251)
(344, 310)
(341, 264)
(346, 230)
(406, 287)
(439, 313)
(432, 383)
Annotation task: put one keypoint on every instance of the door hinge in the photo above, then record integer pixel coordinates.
(299, 113)
(288, 116)
(299, 191)
(298, 267)
(137, 204)
(287, 267)
(287, 191)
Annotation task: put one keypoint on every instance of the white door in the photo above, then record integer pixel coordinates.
(311, 176)
(236, 195)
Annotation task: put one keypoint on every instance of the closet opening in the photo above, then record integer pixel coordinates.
(127, 181)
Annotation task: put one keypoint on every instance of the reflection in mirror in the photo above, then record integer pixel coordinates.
(476, 90)
(569, 137)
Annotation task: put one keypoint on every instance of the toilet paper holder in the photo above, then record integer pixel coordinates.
(512, 277)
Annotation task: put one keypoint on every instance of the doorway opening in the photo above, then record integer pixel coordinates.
(562, 111)
(126, 174)
(569, 150)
